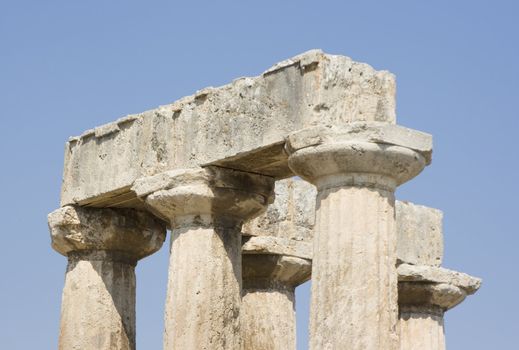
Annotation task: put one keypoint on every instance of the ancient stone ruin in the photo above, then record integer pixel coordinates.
(264, 183)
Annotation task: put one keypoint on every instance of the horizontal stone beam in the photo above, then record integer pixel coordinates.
(287, 227)
(242, 125)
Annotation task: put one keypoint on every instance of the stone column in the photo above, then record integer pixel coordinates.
(424, 294)
(268, 305)
(103, 247)
(356, 170)
(276, 259)
(206, 208)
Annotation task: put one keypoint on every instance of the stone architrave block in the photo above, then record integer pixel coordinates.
(311, 89)
(419, 234)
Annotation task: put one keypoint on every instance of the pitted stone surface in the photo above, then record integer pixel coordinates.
(438, 275)
(136, 233)
(103, 246)
(310, 89)
(343, 156)
(206, 208)
(291, 216)
(212, 192)
(420, 234)
(277, 246)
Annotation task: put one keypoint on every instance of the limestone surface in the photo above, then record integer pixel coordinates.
(103, 246)
(424, 294)
(268, 304)
(206, 208)
(420, 234)
(136, 233)
(291, 215)
(311, 89)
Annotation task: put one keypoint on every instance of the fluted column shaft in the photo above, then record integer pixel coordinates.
(206, 209)
(354, 288)
(98, 303)
(425, 293)
(103, 247)
(421, 328)
(268, 319)
(204, 287)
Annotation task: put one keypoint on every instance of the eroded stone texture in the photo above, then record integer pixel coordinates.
(206, 209)
(310, 89)
(102, 246)
(353, 303)
(420, 235)
(276, 259)
(291, 216)
(268, 304)
(424, 294)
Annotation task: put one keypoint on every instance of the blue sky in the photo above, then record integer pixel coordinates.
(67, 66)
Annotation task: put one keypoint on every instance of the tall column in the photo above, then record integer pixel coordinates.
(103, 247)
(424, 294)
(356, 170)
(206, 208)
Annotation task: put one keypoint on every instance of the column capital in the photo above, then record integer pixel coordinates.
(378, 154)
(266, 271)
(428, 286)
(85, 231)
(205, 194)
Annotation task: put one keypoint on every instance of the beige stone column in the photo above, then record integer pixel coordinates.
(206, 208)
(356, 170)
(268, 306)
(103, 247)
(276, 259)
(424, 294)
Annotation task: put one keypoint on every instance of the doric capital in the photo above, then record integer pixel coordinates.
(428, 286)
(379, 154)
(265, 271)
(206, 194)
(133, 233)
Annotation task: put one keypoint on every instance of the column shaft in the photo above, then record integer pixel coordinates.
(206, 208)
(103, 247)
(421, 328)
(98, 304)
(268, 318)
(204, 288)
(354, 288)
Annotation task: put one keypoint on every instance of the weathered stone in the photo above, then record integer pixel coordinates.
(424, 294)
(206, 208)
(277, 246)
(135, 233)
(421, 328)
(103, 246)
(364, 162)
(354, 304)
(420, 235)
(292, 215)
(268, 303)
(276, 252)
(438, 275)
(310, 89)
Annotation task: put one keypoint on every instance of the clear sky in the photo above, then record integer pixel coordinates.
(67, 66)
